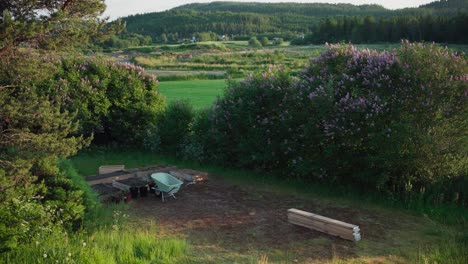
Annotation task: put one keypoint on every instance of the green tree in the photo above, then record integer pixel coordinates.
(253, 42)
(164, 38)
(265, 41)
(33, 134)
(50, 24)
(35, 131)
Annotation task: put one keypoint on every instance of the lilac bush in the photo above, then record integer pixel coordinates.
(114, 101)
(392, 121)
(382, 111)
(251, 119)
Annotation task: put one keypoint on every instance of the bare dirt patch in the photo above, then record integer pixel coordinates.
(227, 221)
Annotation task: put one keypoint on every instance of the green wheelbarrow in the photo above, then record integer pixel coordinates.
(165, 184)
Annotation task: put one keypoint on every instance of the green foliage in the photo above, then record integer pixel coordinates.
(278, 41)
(89, 196)
(242, 19)
(126, 40)
(440, 22)
(370, 29)
(392, 100)
(331, 123)
(174, 126)
(253, 42)
(206, 36)
(115, 102)
(34, 194)
(453, 5)
(116, 243)
(40, 24)
(265, 41)
(260, 98)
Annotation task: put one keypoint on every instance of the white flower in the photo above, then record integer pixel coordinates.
(45, 255)
(84, 244)
(69, 254)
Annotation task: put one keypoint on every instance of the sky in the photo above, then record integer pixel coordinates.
(121, 8)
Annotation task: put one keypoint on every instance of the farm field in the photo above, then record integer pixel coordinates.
(200, 93)
(198, 74)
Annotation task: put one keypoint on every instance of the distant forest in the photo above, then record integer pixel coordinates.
(440, 21)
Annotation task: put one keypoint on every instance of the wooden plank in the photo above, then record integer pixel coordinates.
(181, 175)
(189, 175)
(120, 186)
(139, 174)
(321, 218)
(355, 229)
(348, 236)
(352, 236)
(110, 168)
(111, 178)
(322, 225)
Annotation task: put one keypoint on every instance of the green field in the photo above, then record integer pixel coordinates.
(201, 93)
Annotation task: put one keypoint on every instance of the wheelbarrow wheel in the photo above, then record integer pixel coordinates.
(157, 193)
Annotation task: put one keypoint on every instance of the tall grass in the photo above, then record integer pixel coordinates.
(454, 251)
(105, 237)
(105, 246)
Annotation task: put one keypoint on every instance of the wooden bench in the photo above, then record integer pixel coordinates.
(105, 169)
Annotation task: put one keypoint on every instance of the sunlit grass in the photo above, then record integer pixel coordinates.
(112, 244)
(200, 93)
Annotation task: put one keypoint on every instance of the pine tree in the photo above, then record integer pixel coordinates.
(52, 24)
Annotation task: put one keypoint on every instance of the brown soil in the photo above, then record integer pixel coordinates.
(215, 214)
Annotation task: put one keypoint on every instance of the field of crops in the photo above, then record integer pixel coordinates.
(197, 73)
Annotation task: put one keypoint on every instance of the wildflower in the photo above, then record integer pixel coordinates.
(45, 255)
(84, 244)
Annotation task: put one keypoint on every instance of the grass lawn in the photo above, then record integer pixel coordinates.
(201, 93)
(239, 217)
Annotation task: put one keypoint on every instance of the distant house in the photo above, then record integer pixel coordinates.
(224, 37)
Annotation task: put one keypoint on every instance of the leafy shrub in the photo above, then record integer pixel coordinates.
(34, 193)
(174, 125)
(264, 41)
(390, 121)
(253, 42)
(114, 101)
(401, 100)
(244, 122)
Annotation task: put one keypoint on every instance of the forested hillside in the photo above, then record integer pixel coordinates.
(306, 9)
(341, 22)
(454, 5)
(242, 18)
